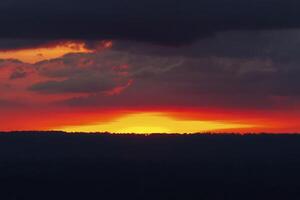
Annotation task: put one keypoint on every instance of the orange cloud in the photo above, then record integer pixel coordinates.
(46, 52)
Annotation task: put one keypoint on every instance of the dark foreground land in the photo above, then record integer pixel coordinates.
(44, 166)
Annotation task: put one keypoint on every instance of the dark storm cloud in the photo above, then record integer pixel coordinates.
(18, 73)
(81, 84)
(164, 22)
(224, 81)
(240, 69)
(278, 45)
(98, 72)
(235, 79)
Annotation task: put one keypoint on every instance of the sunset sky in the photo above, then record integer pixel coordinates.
(157, 66)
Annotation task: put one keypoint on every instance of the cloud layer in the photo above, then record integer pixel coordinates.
(163, 22)
(239, 71)
(256, 69)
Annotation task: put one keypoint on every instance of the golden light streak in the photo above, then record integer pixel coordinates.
(155, 122)
(34, 55)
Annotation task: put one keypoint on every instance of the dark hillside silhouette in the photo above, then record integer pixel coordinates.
(56, 165)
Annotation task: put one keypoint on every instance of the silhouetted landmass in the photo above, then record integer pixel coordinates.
(57, 165)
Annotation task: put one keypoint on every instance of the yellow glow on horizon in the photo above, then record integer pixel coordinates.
(153, 122)
(34, 55)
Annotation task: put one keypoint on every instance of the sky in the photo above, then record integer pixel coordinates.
(150, 66)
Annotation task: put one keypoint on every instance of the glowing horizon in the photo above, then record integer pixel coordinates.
(154, 122)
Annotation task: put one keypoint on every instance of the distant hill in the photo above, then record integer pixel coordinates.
(58, 165)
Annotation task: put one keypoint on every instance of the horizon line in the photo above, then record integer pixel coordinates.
(144, 134)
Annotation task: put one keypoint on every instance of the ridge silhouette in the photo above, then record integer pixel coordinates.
(58, 165)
